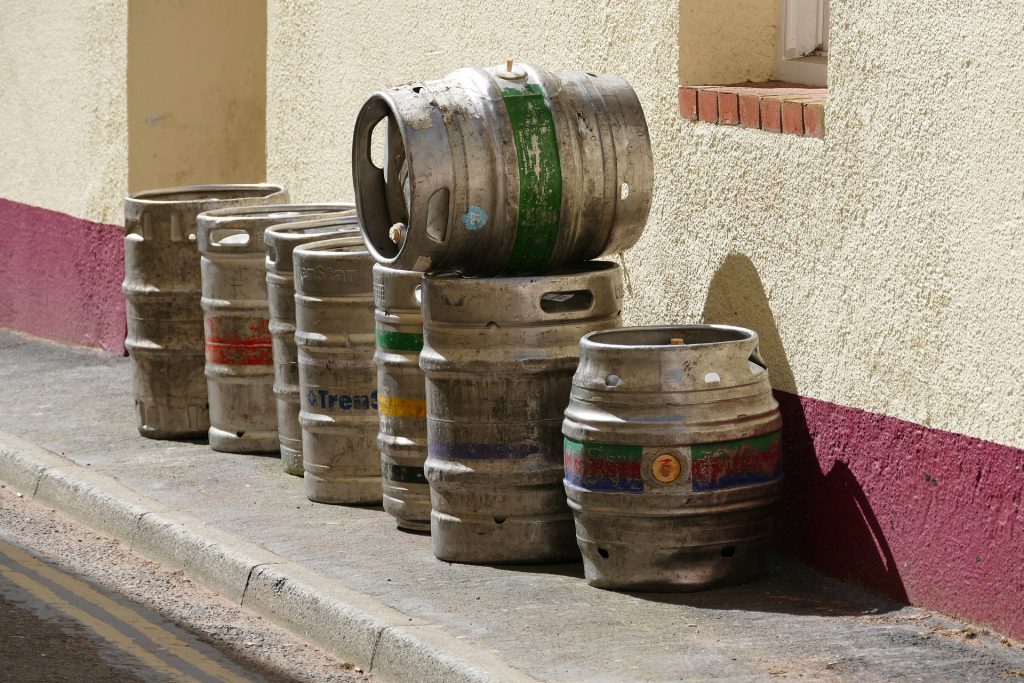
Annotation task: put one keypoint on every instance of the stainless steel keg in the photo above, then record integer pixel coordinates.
(162, 292)
(506, 170)
(672, 457)
(334, 336)
(239, 355)
(281, 241)
(499, 355)
(401, 396)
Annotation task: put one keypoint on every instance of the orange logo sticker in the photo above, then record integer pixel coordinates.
(666, 468)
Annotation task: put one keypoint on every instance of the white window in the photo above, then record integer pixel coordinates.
(802, 45)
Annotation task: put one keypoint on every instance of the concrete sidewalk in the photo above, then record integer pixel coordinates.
(347, 579)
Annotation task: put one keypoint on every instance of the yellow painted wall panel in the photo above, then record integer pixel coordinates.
(726, 41)
(196, 92)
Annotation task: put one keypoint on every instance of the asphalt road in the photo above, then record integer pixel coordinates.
(78, 607)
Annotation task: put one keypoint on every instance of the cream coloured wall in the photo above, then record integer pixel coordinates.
(63, 126)
(882, 266)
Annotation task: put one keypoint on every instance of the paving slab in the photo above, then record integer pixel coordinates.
(348, 576)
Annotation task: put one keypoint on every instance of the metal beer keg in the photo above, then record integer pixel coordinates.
(506, 170)
(672, 457)
(162, 292)
(239, 357)
(281, 241)
(334, 337)
(499, 355)
(401, 396)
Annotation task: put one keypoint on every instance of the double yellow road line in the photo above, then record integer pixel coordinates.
(129, 630)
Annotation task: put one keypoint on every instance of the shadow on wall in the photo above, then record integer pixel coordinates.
(825, 518)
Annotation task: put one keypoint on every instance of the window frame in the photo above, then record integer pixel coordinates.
(801, 50)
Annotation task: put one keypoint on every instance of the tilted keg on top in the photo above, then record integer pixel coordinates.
(334, 336)
(239, 356)
(499, 355)
(401, 396)
(672, 456)
(507, 170)
(281, 241)
(162, 293)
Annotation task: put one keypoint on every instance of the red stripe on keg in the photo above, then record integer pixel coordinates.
(237, 351)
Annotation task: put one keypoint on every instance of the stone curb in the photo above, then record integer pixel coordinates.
(355, 627)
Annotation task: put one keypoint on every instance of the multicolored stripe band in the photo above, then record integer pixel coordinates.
(540, 178)
(603, 466)
(399, 341)
(392, 406)
(619, 468)
(742, 462)
(403, 474)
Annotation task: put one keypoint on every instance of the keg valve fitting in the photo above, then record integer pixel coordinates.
(396, 232)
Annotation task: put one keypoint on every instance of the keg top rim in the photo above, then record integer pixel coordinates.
(269, 211)
(566, 270)
(661, 336)
(350, 245)
(187, 194)
(304, 229)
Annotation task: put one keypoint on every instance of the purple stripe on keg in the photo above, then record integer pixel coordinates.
(444, 450)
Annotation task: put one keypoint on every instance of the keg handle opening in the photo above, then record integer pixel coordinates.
(228, 237)
(756, 359)
(567, 302)
(380, 191)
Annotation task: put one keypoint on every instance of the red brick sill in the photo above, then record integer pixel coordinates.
(772, 106)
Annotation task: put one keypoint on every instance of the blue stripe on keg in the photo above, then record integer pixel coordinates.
(443, 450)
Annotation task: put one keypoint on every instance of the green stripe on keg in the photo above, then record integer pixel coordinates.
(540, 178)
(399, 341)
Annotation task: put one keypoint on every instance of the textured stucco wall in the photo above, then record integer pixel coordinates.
(889, 255)
(63, 122)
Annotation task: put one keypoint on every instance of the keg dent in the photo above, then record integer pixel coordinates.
(281, 241)
(672, 456)
(162, 290)
(496, 171)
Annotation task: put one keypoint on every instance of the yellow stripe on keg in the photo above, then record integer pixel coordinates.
(401, 407)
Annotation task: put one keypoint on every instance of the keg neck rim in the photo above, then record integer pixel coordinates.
(304, 230)
(269, 212)
(203, 194)
(660, 337)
